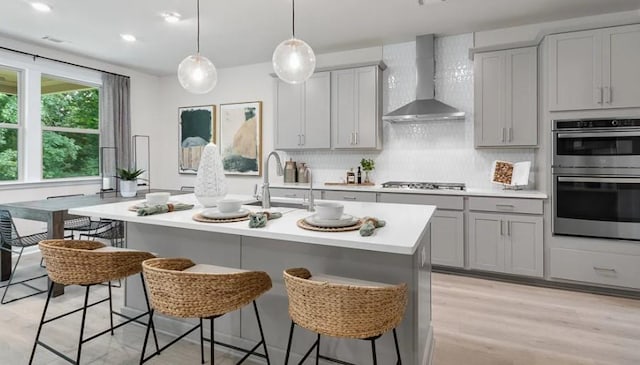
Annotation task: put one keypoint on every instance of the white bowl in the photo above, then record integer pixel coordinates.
(229, 205)
(157, 198)
(328, 210)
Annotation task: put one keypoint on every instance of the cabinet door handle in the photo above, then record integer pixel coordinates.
(504, 206)
(349, 198)
(607, 95)
(351, 139)
(290, 196)
(605, 269)
(356, 134)
(510, 134)
(598, 95)
(501, 227)
(299, 140)
(503, 134)
(509, 228)
(304, 139)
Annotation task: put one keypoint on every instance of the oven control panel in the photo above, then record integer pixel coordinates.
(595, 123)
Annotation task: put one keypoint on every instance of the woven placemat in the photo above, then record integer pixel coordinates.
(304, 225)
(200, 218)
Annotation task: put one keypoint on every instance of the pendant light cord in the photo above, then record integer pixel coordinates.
(293, 18)
(198, 39)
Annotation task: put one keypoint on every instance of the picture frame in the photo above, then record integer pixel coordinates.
(241, 138)
(196, 128)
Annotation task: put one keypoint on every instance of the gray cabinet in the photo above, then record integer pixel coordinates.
(294, 193)
(594, 69)
(356, 108)
(506, 243)
(506, 98)
(447, 225)
(303, 114)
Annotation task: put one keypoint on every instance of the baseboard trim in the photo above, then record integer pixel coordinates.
(583, 288)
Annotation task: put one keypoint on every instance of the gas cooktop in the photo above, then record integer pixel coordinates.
(423, 185)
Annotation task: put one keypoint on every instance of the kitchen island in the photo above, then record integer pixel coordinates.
(399, 252)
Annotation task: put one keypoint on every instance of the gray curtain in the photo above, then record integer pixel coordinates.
(115, 119)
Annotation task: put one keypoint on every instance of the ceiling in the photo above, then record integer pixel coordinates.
(237, 32)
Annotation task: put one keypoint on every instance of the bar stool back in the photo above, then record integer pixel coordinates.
(180, 288)
(88, 263)
(342, 308)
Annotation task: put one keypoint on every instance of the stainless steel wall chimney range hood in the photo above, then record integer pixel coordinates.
(425, 108)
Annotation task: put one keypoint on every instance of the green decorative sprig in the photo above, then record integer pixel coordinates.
(368, 164)
(129, 175)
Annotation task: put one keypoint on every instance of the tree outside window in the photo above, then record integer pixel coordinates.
(8, 125)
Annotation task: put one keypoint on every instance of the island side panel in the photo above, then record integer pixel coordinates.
(274, 256)
(201, 247)
(422, 284)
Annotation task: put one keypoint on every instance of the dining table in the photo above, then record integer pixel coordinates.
(54, 212)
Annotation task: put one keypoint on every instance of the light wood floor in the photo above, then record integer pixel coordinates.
(494, 323)
(476, 322)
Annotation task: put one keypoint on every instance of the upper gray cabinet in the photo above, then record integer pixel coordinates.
(303, 113)
(356, 108)
(506, 98)
(594, 69)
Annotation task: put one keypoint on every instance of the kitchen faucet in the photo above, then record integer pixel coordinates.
(266, 195)
(311, 207)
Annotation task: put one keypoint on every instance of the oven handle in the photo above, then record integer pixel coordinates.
(615, 180)
(602, 134)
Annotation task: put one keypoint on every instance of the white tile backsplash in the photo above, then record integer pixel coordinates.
(431, 151)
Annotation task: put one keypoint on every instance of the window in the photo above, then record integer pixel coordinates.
(70, 129)
(49, 120)
(9, 117)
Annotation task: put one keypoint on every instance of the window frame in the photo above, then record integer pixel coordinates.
(29, 126)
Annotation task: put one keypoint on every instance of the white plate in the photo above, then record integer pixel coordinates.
(144, 204)
(345, 221)
(216, 214)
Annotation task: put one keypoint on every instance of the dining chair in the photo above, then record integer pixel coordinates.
(81, 224)
(14, 243)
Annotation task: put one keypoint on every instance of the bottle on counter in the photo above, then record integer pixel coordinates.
(359, 176)
(290, 171)
(302, 173)
(351, 176)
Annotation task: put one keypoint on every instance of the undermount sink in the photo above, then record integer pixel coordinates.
(280, 205)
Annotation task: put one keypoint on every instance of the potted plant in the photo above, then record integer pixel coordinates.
(368, 165)
(129, 182)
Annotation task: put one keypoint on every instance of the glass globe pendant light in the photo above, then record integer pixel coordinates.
(293, 60)
(196, 73)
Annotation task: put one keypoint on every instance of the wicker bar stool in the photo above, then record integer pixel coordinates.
(342, 307)
(180, 288)
(89, 263)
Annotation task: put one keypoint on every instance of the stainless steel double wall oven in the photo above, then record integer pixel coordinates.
(596, 178)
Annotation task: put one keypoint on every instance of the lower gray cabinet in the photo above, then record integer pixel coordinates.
(506, 243)
(447, 238)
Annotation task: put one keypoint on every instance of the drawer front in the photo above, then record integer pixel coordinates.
(293, 193)
(357, 196)
(440, 201)
(507, 205)
(596, 267)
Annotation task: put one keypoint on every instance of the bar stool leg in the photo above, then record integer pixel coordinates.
(146, 337)
(110, 308)
(84, 317)
(395, 339)
(146, 300)
(373, 351)
(201, 342)
(212, 342)
(286, 359)
(264, 343)
(44, 313)
(318, 350)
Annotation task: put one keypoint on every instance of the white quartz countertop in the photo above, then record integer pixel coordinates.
(406, 224)
(487, 192)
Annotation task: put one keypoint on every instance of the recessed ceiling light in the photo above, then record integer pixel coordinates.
(41, 7)
(128, 37)
(171, 17)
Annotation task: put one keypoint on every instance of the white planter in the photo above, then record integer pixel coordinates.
(210, 184)
(128, 188)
